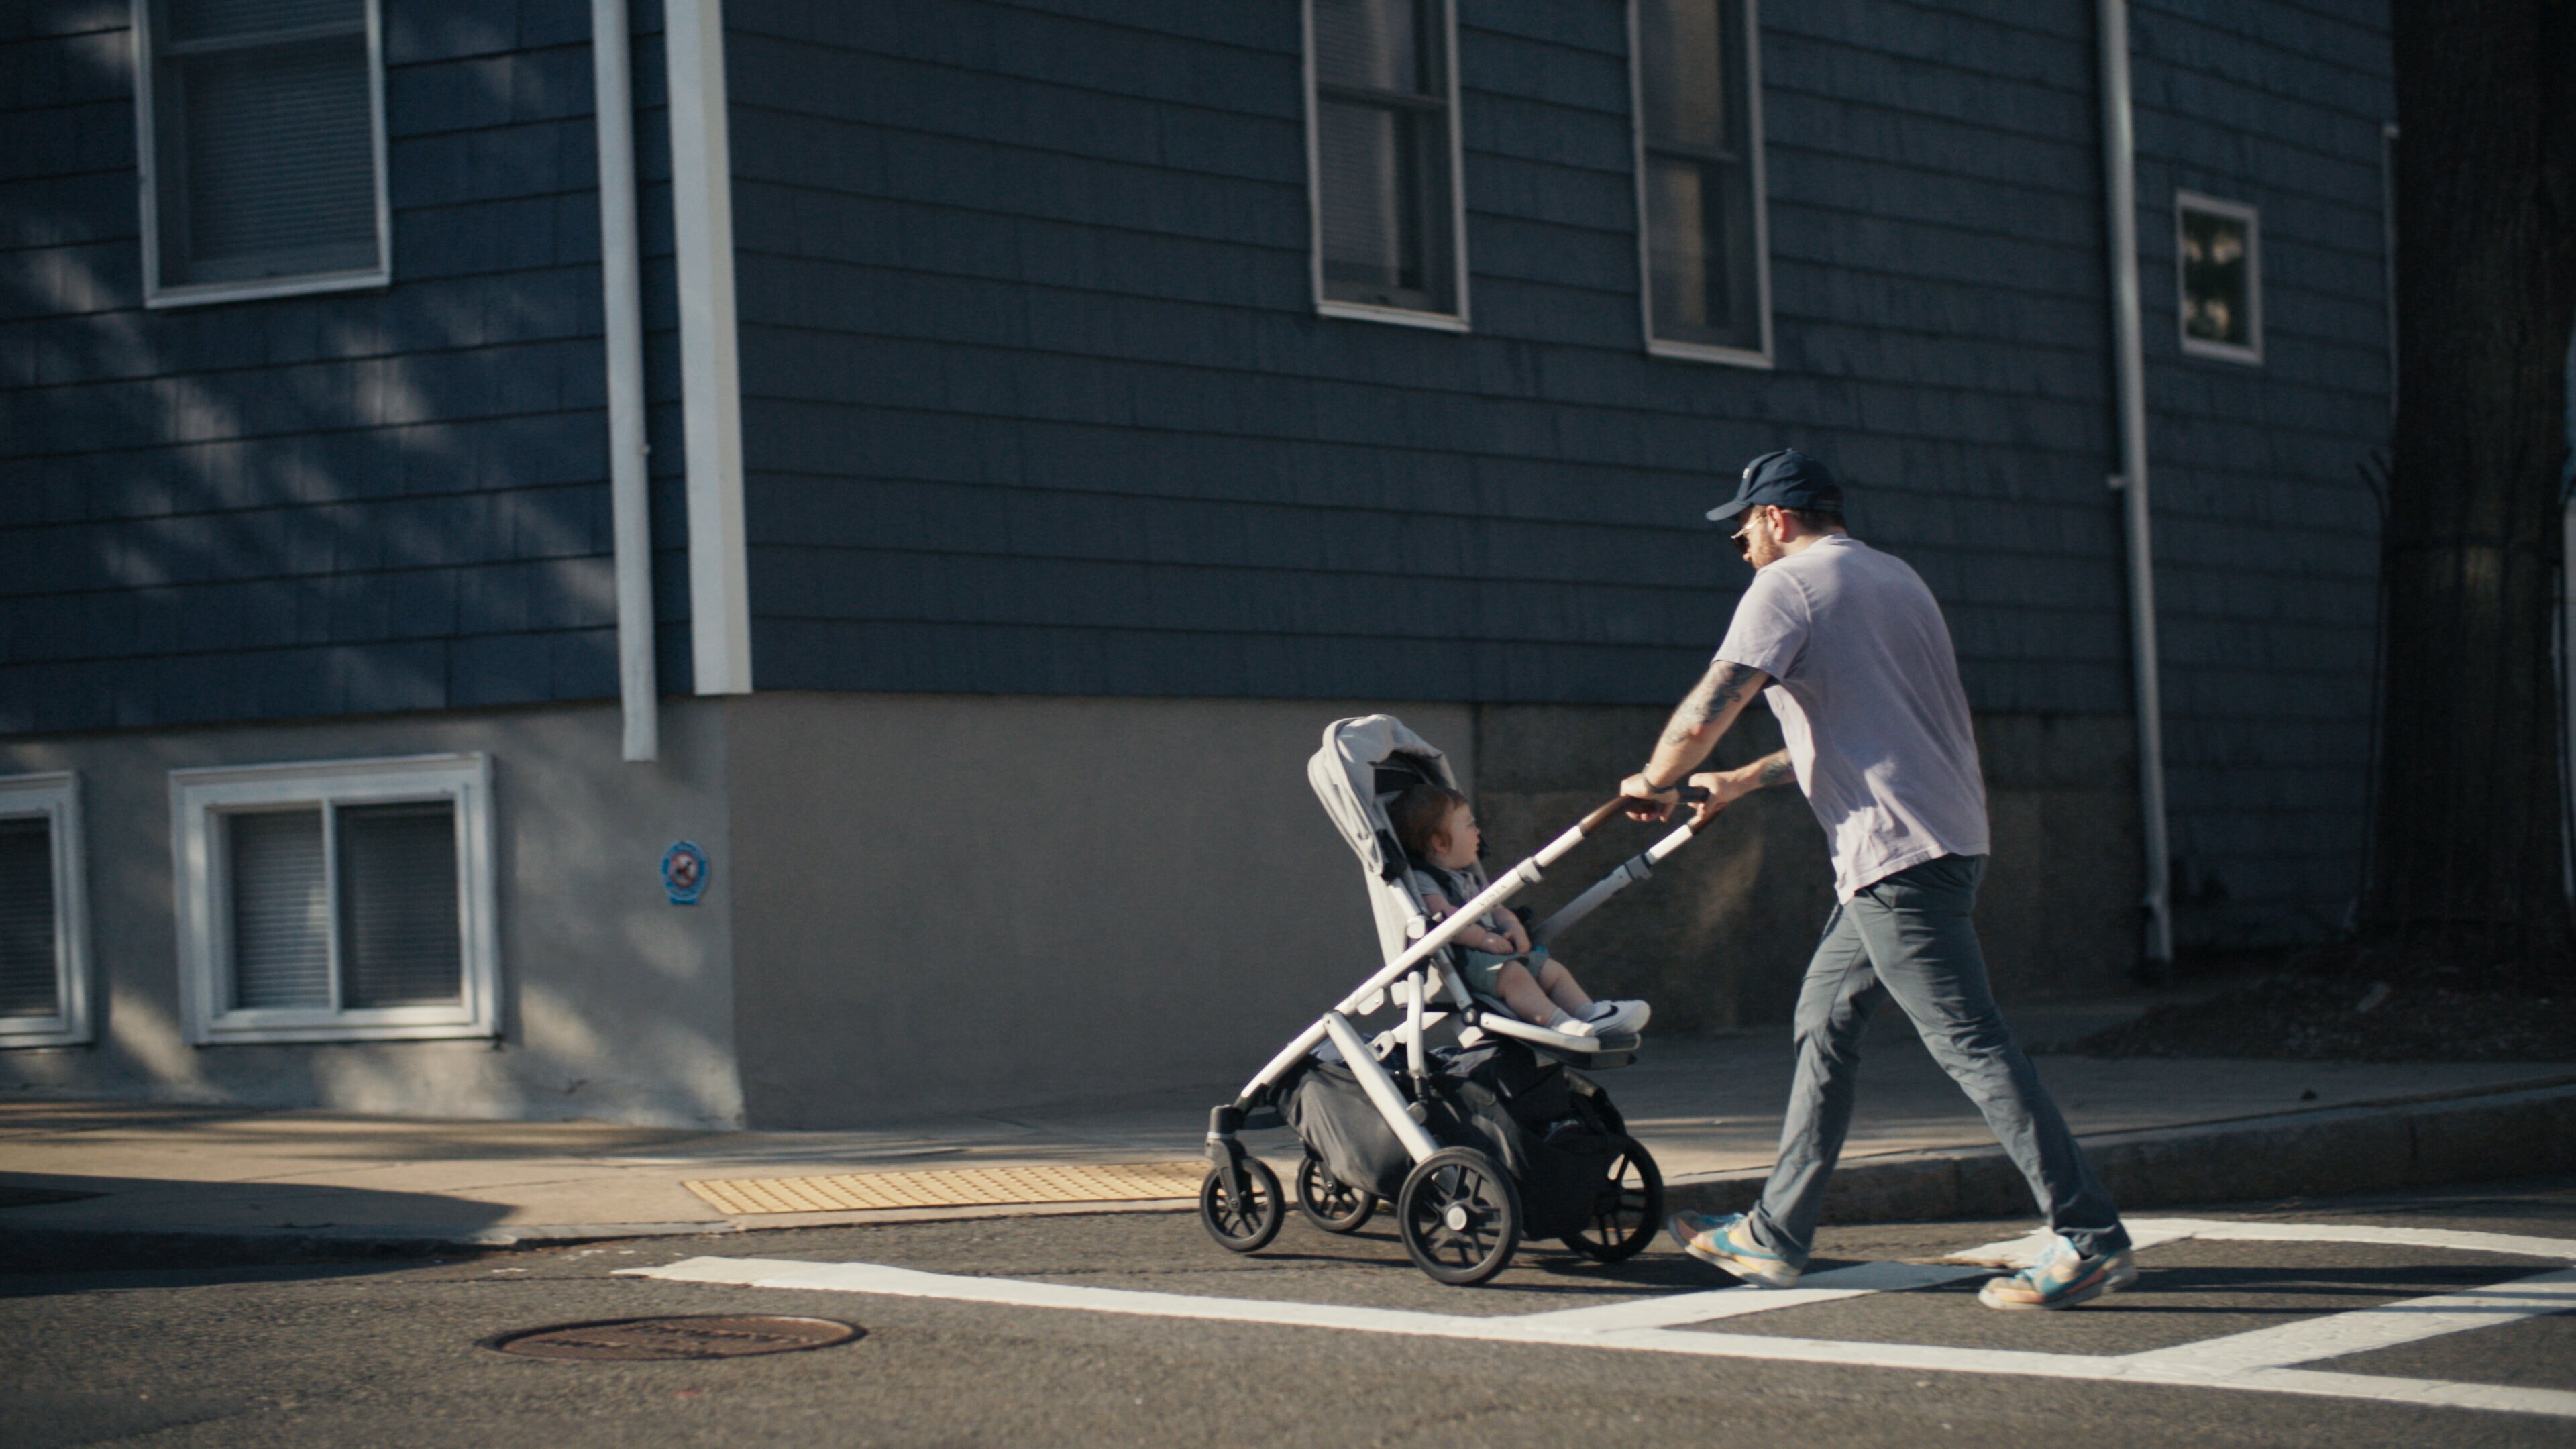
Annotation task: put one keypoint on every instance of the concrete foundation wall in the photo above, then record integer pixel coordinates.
(939, 903)
(1718, 937)
(615, 1003)
(954, 902)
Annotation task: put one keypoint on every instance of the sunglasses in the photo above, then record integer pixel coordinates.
(1743, 542)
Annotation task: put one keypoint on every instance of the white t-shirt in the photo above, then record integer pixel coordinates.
(1866, 689)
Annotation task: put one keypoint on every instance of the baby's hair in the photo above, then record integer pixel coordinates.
(1418, 812)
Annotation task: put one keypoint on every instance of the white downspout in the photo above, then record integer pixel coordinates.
(621, 285)
(2129, 358)
(710, 374)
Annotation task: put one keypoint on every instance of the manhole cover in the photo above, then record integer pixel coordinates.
(691, 1335)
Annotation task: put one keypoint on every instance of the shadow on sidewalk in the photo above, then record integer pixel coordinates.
(51, 1223)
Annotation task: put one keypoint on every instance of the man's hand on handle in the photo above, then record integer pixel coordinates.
(1645, 802)
(1695, 728)
(1722, 788)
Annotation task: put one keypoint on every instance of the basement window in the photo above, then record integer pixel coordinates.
(2218, 256)
(349, 901)
(261, 128)
(44, 917)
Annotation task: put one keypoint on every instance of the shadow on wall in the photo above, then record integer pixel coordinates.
(1720, 935)
(347, 503)
(1715, 937)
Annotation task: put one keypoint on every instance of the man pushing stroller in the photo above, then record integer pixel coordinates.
(1850, 650)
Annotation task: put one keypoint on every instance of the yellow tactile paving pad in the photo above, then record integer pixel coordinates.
(952, 1187)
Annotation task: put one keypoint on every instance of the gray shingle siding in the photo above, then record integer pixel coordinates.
(1034, 397)
(320, 505)
(2267, 536)
(1029, 351)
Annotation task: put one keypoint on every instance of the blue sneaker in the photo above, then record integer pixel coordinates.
(2062, 1279)
(1721, 1241)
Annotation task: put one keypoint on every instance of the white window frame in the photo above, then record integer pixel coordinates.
(1670, 347)
(56, 797)
(1364, 311)
(199, 798)
(2253, 218)
(146, 149)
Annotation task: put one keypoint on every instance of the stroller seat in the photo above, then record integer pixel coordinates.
(1402, 761)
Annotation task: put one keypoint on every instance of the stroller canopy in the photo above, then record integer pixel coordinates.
(1364, 764)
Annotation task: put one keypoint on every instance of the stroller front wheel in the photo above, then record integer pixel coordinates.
(1330, 1203)
(1244, 1225)
(1459, 1215)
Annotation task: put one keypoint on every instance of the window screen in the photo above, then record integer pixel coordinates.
(1384, 195)
(399, 944)
(1697, 149)
(281, 911)
(263, 126)
(2221, 298)
(394, 910)
(29, 984)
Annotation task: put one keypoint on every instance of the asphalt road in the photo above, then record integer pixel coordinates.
(373, 1354)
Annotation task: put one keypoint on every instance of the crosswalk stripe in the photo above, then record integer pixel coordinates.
(2261, 1360)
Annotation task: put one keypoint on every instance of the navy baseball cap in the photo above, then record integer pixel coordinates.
(1786, 478)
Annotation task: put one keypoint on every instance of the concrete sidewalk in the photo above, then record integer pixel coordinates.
(231, 1183)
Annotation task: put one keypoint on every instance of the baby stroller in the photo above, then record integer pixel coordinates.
(1478, 1145)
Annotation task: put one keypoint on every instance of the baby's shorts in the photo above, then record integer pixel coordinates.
(1484, 969)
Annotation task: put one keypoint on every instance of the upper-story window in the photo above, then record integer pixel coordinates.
(2218, 257)
(1703, 241)
(261, 130)
(44, 913)
(1382, 152)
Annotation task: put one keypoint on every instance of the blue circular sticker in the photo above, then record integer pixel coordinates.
(684, 872)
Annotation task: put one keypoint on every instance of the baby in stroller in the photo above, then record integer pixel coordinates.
(1437, 828)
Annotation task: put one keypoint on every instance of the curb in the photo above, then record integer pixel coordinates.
(2307, 1154)
(2368, 1148)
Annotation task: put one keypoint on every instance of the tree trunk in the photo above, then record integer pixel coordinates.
(2468, 851)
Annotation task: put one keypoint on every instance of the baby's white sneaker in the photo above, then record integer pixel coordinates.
(1565, 1023)
(1618, 1018)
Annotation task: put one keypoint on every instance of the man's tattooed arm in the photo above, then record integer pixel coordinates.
(1719, 693)
(1773, 769)
(1697, 725)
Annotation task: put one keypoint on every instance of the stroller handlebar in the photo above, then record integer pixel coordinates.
(1601, 816)
(1628, 872)
(1506, 885)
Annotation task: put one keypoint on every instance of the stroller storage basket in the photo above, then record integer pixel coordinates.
(1553, 1131)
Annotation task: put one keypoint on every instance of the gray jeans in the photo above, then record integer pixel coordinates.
(1909, 937)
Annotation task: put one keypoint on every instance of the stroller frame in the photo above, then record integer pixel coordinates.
(1414, 976)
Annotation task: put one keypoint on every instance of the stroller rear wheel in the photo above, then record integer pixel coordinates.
(1328, 1202)
(1246, 1224)
(1627, 1210)
(1459, 1215)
